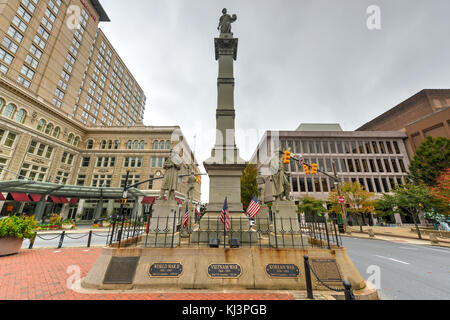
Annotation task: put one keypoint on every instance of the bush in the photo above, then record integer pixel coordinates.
(17, 227)
(55, 219)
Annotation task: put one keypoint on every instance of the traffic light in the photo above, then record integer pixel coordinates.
(307, 169)
(287, 157)
(123, 201)
(197, 178)
(314, 168)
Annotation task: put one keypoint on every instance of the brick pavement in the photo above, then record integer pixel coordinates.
(41, 274)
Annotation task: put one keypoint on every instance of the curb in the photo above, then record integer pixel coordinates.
(443, 244)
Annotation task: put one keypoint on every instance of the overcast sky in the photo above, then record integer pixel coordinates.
(299, 61)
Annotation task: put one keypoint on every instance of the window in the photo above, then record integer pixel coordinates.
(56, 132)
(49, 129)
(350, 165)
(76, 141)
(397, 149)
(6, 57)
(31, 61)
(168, 145)
(380, 166)
(136, 145)
(20, 116)
(161, 146)
(402, 165)
(85, 162)
(133, 162)
(103, 146)
(3, 162)
(142, 145)
(90, 144)
(10, 45)
(70, 139)
(81, 180)
(386, 164)
(394, 165)
(32, 172)
(101, 181)
(10, 138)
(62, 177)
(9, 111)
(155, 145)
(339, 147)
(15, 34)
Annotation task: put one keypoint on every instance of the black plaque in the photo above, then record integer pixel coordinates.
(121, 270)
(224, 270)
(166, 270)
(282, 270)
(327, 270)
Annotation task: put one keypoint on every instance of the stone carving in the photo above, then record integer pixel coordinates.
(170, 181)
(261, 181)
(281, 187)
(225, 22)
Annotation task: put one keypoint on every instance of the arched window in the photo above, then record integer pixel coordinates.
(20, 116)
(161, 145)
(142, 145)
(168, 144)
(103, 144)
(9, 110)
(116, 144)
(49, 129)
(41, 125)
(110, 144)
(56, 132)
(136, 145)
(2, 104)
(129, 145)
(70, 139)
(90, 144)
(155, 145)
(77, 141)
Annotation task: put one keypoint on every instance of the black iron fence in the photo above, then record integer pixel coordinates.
(275, 232)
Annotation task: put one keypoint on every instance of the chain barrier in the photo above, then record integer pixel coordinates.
(38, 236)
(84, 235)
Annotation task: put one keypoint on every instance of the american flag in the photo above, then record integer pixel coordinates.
(224, 216)
(253, 208)
(198, 213)
(186, 217)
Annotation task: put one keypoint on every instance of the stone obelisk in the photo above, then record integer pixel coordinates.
(225, 166)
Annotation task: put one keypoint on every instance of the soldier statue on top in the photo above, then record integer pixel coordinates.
(225, 22)
(281, 186)
(170, 181)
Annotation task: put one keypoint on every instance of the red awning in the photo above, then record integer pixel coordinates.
(179, 201)
(20, 197)
(55, 199)
(64, 200)
(2, 198)
(148, 200)
(74, 201)
(36, 197)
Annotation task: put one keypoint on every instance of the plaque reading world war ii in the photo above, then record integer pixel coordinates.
(166, 270)
(121, 270)
(224, 270)
(282, 270)
(326, 269)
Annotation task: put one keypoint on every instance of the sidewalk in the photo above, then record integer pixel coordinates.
(42, 274)
(396, 234)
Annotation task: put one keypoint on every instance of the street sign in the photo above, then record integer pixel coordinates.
(341, 200)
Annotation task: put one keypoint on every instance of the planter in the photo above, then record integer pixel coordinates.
(67, 226)
(106, 224)
(10, 246)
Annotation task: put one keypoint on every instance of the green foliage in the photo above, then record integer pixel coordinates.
(55, 219)
(18, 227)
(310, 205)
(249, 186)
(431, 160)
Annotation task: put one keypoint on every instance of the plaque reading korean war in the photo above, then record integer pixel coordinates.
(166, 270)
(326, 269)
(224, 270)
(282, 270)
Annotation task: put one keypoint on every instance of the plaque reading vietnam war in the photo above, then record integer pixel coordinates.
(326, 269)
(224, 271)
(166, 270)
(282, 270)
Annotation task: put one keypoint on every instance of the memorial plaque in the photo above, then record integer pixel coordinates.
(224, 270)
(326, 269)
(282, 270)
(166, 270)
(121, 270)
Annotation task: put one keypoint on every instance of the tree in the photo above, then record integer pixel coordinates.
(249, 186)
(431, 160)
(410, 199)
(311, 206)
(359, 201)
(442, 191)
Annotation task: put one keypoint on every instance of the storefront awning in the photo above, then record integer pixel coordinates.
(55, 199)
(148, 200)
(64, 200)
(179, 201)
(2, 198)
(20, 197)
(36, 197)
(74, 201)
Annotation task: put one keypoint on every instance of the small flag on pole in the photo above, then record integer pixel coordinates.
(186, 217)
(224, 216)
(253, 208)
(198, 213)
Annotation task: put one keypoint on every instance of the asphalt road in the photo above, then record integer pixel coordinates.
(402, 271)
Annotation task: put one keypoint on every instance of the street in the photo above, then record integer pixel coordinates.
(407, 272)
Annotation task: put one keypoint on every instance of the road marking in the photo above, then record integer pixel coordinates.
(407, 248)
(392, 259)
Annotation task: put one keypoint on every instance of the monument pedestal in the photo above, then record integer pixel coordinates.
(262, 220)
(285, 230)
(163, 226)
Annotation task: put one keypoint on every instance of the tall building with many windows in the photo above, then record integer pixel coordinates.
(55, 49)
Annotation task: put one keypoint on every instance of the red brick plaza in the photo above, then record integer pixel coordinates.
(42, 274)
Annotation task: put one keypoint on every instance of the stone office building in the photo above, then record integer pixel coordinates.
(377, 160)
(71, 112)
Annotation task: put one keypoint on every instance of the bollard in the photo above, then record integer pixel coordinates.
(371, 233)
(89, 239)
(433, 238)
(61, 240)
(309, 289)
(348, 291)
(32, 240)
